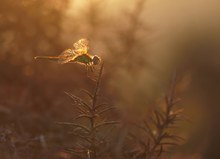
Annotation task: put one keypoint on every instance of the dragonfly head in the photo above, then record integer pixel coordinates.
(96, 60)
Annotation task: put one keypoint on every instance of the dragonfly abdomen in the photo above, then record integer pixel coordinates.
(47, 57)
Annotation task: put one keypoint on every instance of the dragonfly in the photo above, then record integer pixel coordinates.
(78, 54)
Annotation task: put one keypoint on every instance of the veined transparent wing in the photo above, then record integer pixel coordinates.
(81, 46)
(66, 56)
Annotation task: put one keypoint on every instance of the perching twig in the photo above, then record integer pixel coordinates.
(89, 134)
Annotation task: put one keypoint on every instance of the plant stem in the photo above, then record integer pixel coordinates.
(93, 111)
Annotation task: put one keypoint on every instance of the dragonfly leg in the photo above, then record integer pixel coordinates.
(87, 70)
(91, 67)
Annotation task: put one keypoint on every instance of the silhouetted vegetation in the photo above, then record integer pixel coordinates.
(125, 109)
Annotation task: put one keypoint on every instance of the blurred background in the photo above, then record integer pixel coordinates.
(141, 42)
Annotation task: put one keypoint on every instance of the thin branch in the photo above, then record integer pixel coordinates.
(87, 92)
(105, 110)
(106, 123)
(73, 124)
(79, 100)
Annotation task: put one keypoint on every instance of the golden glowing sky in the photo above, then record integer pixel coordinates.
(157, 10)
(160, 14)
(112, 6)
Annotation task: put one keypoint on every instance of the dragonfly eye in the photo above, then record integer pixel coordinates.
(96, 60)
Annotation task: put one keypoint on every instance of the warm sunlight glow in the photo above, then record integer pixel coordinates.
(111, 6)
(75, 5)
(107, 79)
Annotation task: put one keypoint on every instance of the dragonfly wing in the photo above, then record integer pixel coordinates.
(66, 56)
(81, 46)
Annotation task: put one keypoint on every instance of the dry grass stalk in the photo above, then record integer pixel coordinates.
(157, 129)
(90, 136)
